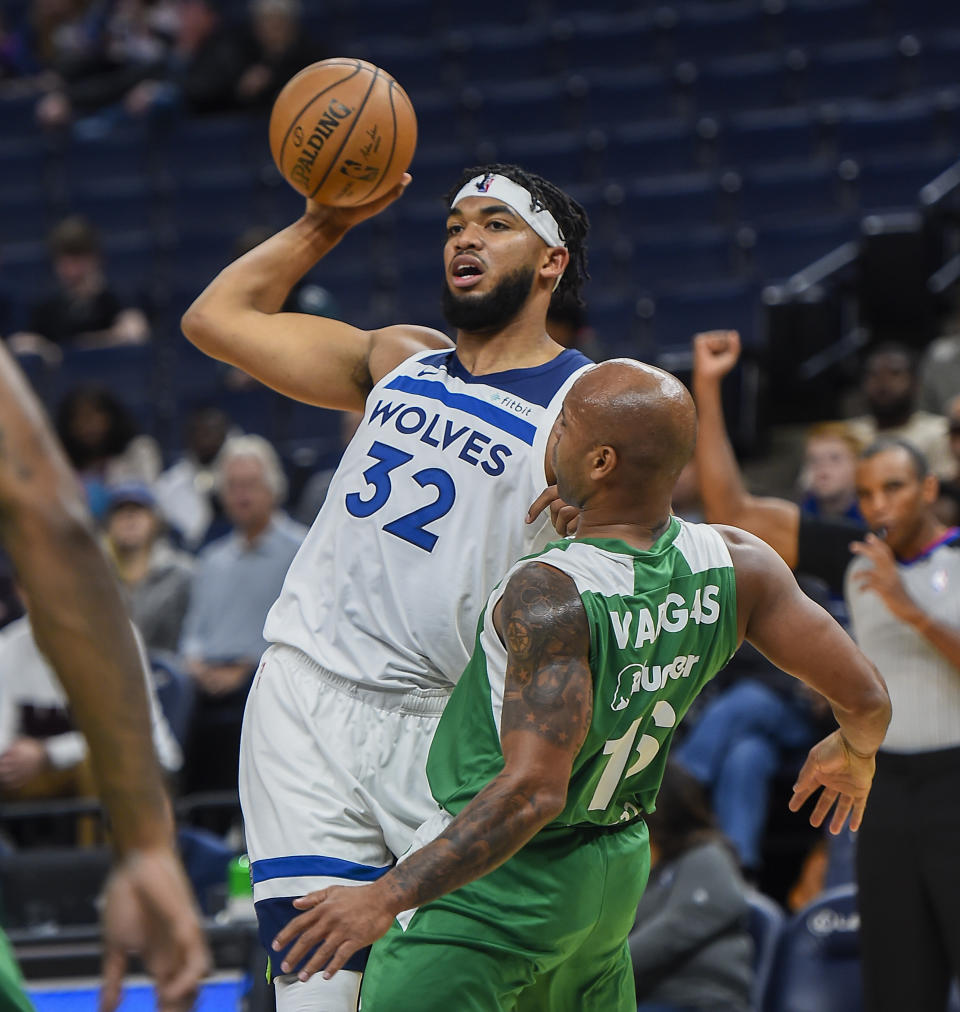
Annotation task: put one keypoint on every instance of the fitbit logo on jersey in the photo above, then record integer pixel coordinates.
(673, 614)
(649, 678)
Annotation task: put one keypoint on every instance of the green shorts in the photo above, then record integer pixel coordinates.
(544, 932)
(12, 996)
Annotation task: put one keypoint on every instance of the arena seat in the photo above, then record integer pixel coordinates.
(753, 81)
(679, 199)
(866, 68)
(205, 858)
(765, 923)
(702, 254)
(865, 128)
(817, 964)
(683, 310)
(782, 249)
(43, 888)
(651, 148)
(771, 191)
(768, 136)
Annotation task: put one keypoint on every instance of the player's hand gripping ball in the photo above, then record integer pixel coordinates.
(342, 132)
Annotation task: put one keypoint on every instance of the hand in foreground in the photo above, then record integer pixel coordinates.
(25, 759)
(715, 353)
(845, 778)
(565, 518)
(149, 910)
(883, 578)
(339, 219)
(344, 918)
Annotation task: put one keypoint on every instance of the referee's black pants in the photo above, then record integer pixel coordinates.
(908, 872)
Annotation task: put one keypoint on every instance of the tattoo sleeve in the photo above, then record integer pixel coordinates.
(547, 708)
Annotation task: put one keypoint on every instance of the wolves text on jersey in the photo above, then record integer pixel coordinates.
(434, 429)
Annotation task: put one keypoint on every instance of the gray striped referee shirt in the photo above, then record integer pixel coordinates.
(924, 686)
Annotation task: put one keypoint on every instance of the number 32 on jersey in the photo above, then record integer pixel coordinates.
(410, 526)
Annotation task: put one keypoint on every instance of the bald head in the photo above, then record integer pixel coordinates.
(645, 414)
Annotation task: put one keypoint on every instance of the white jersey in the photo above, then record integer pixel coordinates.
(424, 515)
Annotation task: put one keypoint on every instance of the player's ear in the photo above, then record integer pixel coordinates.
(930, 489)
(604, 461)
(554, 263)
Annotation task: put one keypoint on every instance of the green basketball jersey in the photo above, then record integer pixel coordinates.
(662, 623)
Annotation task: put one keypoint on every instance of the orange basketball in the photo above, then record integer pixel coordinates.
(343, 132)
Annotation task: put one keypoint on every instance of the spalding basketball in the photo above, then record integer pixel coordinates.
(343, 132)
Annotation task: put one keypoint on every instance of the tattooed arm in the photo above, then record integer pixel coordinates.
(547, 708)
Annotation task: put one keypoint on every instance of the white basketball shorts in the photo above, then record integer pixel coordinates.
(333, 781)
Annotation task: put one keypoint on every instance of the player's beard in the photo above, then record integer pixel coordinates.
(492, 311)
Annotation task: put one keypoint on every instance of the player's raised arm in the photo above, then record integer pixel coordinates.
(798, 636)
(237, 318)
(82, 627)
(726, 499)
(547, 708)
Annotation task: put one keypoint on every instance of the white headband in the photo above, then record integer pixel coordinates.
(517, 197)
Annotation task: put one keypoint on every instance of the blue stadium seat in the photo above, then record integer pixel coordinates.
(704, 29)
(784, 249)
(205, 858)
(123, 154)
(681, 256)
(483, 54)
(615, 93)
(115, 205)
(218, 197)
(754, 81)
(895, 181)
(772, 191)
(683, 311)
(864, 69)
(651, 148)
(211, 142)
(817, 966)
(605, 40)
(25, 213)
(768, 136)
(680, 199)
(765, 923)
(809, 22)
(865, 128)
(26, 268)
(538, 105)
(24, 160)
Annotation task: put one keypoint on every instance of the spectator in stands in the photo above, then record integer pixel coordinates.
(740, 740)
(948, 503)
(203, 69)
(185, 491)
(891, 387)
(314, 492)
(940, 366)
(103, 444)
(829, 464)
(276, 50)
(42, 755)
(155, 577)
(82, 311)
(237, 579)
(690, 946)
(132, 41)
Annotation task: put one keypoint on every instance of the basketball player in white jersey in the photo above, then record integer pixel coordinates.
(426, 511)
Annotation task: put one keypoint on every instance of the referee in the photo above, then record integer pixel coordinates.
(903, 596)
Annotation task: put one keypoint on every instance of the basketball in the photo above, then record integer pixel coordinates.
(343, 132)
